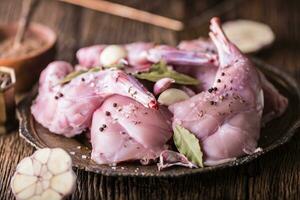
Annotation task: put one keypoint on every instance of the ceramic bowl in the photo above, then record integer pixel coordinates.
(29, 66)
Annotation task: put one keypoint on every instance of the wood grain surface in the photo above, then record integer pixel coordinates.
(274, 176)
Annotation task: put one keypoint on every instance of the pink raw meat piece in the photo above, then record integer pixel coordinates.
(226, 119)
(67, 109)
(275, 103)
(175, 56)
(136, 56)
(205, 72)
(123, 129)
(203, 45)
(90, 56)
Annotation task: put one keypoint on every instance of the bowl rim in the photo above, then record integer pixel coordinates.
(34, 27)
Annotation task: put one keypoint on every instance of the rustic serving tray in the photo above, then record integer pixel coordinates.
(274, 134)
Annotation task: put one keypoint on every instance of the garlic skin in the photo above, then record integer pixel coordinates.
(171, 96)
(47, 174)
(162, 84)
(112, 55)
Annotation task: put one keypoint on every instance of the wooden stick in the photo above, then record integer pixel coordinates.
(26, 13)
(129, 12)
(23, 22)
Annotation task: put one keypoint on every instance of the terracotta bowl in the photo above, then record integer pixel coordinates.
(29, 66)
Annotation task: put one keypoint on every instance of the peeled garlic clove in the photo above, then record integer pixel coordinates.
(42, 155)
(112, 55)
(50, 194)
(21, 182)
(249, 36)
(59, 182)
(27, 192)
(162, 84)
(59, 161)
(47, 174)
(26, 167)
(171, 96)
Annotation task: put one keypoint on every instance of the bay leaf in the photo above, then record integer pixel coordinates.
(161, 70)
(188, 145)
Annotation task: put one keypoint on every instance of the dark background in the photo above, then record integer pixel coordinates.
(273, 176)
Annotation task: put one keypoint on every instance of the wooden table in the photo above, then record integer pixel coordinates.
(274, 176)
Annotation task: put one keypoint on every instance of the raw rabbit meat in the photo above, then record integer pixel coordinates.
(68, 109)
(203, 45)
(227, 118)
(136, 56)
(90, 56)
(196, 58)
(123, 129)
(225, 111)
(185, 60)
(275, 103)
(175, 56)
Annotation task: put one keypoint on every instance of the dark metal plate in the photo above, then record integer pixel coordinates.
(276, 133)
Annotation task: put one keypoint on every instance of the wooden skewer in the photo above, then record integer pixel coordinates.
(129, 12)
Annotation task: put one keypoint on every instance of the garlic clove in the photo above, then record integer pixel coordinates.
(42, 155)
(27, 192)
(59, 161)
(162, 84)
(21, 182)
(112, 55)
(171, 96)
(50, 194)
(59, 182)
(26, 167)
